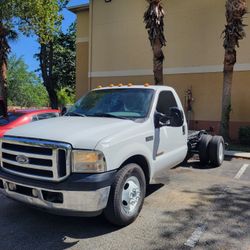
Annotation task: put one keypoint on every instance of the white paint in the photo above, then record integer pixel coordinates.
(169, 71)
(82, 40)
(241, 171)
(117, 139)
(195, 237)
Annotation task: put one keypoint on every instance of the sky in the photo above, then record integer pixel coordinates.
(26, 47)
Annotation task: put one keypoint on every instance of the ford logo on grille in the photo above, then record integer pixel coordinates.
(22, 159)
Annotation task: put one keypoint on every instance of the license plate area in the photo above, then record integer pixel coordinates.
(21, 189)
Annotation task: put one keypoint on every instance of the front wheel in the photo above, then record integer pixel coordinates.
(126, 196)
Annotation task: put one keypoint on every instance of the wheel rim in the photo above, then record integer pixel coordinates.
(221, 152)
(131, 194)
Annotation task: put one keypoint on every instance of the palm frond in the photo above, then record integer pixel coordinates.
(234, 30)
(12, 35)
(154, 20)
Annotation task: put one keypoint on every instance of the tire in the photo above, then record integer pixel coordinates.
(129, 180)
(216, 151)
(203, 149)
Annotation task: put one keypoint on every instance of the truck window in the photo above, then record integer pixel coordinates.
(166, 100)
(130, 103)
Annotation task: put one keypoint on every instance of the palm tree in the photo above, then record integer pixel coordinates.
(6, 34)
(154, 20)
(233, 33)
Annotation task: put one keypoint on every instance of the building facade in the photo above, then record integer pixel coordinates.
(113, 47)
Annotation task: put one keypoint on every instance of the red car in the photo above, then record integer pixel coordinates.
(20, 117)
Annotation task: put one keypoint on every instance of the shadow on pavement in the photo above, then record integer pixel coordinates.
(153, 188)
(225, 212)
(195, 163)
(23, 227)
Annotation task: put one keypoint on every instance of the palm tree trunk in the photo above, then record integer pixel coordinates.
(158, 62)
(229, 62)
(233, 33)
(154, 20)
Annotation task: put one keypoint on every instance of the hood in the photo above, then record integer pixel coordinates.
(80, 132)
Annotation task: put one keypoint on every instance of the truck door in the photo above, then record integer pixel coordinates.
(170, 145)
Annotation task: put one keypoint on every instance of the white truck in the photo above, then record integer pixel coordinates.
(100, 156)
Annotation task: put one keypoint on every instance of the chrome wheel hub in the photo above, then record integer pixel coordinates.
(221, 152)
(131, 195)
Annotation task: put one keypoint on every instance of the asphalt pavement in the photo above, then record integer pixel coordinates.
(196, 208)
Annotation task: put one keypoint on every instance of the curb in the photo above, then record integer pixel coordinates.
(237, 154)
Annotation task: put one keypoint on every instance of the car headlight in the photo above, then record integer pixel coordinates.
(88, 161)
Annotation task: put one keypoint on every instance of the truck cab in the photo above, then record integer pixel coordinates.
(100, 156)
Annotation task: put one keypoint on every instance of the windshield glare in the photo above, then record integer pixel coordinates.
(120, 103)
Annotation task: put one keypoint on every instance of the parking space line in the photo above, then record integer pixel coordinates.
(196, 235)
(241, 171)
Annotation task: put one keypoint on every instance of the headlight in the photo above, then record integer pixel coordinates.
(88, 161)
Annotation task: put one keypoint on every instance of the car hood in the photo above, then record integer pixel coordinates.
(80, 132)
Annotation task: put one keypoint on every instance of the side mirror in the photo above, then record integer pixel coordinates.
(174, 119)
(63, 111)
(162, 120)
(177, 117)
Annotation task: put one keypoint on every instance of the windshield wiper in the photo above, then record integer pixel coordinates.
(109, 115)
(75, 114)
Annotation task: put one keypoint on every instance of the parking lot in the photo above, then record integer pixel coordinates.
(197, 208)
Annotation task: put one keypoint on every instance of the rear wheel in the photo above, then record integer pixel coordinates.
(216, 151)
(126, 196)
(203, 149)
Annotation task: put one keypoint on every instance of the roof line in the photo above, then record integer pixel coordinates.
(78, 8)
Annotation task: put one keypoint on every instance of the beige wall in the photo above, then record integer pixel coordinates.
(119, 51)
(82, 25)
(193, 30)
(206, 89)
(82, 53)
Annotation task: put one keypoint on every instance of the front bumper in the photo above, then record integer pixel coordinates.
(61, 198)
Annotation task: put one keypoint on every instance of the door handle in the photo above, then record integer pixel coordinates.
(183, 129)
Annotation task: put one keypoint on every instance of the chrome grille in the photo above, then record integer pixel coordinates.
(37, 159)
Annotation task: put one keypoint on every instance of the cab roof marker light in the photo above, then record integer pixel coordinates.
(130, 84)
(146, 84)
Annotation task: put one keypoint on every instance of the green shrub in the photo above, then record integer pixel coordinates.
(66, 96)
(244, 135)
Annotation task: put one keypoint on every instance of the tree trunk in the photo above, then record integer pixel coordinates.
(229, 62)
(158, 62)
(52, 97)
(46, 64)
(3, 89)
(3, 71)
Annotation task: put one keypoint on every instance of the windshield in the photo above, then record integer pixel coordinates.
(11, 117)
(117, 103)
